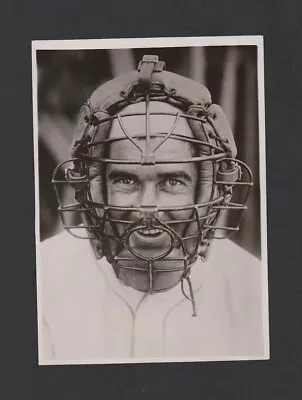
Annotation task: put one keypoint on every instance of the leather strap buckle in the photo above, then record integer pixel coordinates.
(146, 67)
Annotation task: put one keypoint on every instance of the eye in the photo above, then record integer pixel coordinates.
(125, 181)
(174, 182)
(173, 185)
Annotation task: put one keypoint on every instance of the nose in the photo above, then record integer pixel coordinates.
(148, 195)
(148, 201)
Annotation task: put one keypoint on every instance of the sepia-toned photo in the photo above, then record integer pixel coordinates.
(150, 200)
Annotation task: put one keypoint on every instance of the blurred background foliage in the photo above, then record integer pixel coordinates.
(66, 79)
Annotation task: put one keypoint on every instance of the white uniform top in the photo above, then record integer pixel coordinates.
(88, 314)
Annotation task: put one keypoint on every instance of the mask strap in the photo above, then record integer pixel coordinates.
(146, 67)
(190, 297)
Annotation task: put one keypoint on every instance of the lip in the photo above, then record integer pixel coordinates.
(149, 233)
(147, 241)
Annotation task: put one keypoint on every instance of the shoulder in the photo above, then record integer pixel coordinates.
(59, 241)
(63, 254)
(62, 246)
(233, 258)
(241, 271)
(238, 281)
(68, 273)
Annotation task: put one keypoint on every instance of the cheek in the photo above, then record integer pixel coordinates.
(178, 201)
(180, 216)
(204, 196)
(121, 198)
(178, 198)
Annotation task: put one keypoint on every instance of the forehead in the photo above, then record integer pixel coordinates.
(172, 150)
(161, 120)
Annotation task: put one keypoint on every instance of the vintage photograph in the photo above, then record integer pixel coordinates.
(150, 200)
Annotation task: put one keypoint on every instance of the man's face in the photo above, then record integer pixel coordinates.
(159, 185)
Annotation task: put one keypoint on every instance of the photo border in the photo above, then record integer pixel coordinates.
(131, 43)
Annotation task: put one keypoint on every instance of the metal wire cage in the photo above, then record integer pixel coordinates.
(218, 217)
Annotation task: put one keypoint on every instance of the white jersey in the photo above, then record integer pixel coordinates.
(87, 313)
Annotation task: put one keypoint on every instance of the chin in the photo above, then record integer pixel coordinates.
(162, 274)
(150, 260)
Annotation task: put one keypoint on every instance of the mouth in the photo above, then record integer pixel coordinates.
(150, 233)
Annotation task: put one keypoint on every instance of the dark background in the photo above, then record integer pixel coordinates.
(280, 23)
(66, 79)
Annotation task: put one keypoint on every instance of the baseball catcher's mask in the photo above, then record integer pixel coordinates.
(215, 213)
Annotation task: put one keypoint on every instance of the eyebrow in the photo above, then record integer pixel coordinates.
(175, 174)
(117, 173)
